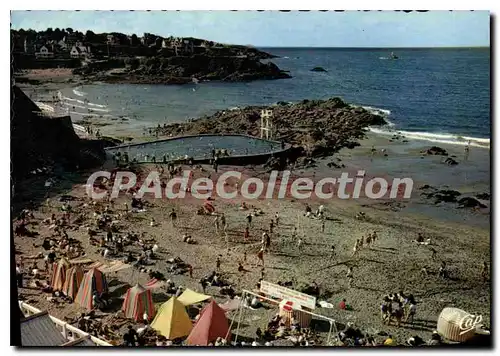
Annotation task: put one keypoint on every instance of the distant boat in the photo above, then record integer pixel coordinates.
(393, 56)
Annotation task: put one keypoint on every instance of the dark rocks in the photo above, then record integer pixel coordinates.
(305, 162)
(316, 128)
(443, 195)
(426, 186)
(435, 150)
(335, 165)
(275, 163)
(232, 65)
(318, 69)
(483, 196)
(450, 161)
(469, 202)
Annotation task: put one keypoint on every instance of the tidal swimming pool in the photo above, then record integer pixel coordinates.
(198, 147)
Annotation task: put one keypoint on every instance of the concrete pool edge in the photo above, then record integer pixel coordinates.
(257, 158)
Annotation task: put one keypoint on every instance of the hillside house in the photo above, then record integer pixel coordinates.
(70, 40)
(45, 52)
(62, 45)
(112, 40)
(80, 52)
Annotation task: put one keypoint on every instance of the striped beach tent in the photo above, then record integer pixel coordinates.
(59, 274)
(74, 277)
(93, 281)
(138, 300)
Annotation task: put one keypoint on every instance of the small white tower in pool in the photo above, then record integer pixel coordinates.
(266, 124)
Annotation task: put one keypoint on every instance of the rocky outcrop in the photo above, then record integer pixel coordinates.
(483, 196)
(450, 161)
(469, 202)
(440, 195)
(315, 128)
(435, 150)
(318, 69)
(163, 69)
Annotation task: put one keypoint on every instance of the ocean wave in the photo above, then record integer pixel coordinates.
(377, 111)
(72, 105)
(78, 92)
(84, 102)
(448, 138)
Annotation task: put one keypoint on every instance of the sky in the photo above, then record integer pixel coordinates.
(281, 29)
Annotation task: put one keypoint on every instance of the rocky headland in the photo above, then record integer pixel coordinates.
(316, 128)
(233, 64)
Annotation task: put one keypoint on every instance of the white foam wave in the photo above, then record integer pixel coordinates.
(94, 106)
(78, 92)
(377, 111)
(65, 98)
(447, 138)
(98, 105)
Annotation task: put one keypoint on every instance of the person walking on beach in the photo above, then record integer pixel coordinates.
(260, 255)
(217, 224)
(443, 273)
(271, 226)
(412, 310)
(368, 240)
(322, 225)
(264, 240)
(246, 234)
(217, 263)
(249, 220)
(466, 151)
(355, 249)
(332, 254)
(277, 218)
(173, 217)
(190, 270)
(374, 237)
(484, 272)
(223, 222)
(350, 277)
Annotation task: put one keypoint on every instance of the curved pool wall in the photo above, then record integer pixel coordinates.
(243, 149)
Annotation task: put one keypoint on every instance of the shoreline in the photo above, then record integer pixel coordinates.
(54, 80)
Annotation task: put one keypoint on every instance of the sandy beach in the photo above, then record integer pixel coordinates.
(461, 237)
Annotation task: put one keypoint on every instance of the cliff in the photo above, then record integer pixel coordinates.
(41, 142)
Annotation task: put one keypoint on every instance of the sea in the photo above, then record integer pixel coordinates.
(436, 95)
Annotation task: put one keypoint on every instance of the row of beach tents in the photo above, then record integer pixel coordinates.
(171, 319)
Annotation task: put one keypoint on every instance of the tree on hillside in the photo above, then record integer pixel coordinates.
(58, 34)
(134, 40)
(90, 37)
(69, 30)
